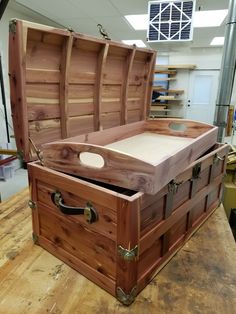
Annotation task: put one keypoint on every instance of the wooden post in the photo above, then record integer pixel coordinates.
(65, 63)
(125, 87)
(128, 234)
(17, 53)
(98, 87)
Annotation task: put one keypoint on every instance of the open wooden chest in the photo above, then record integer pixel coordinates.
(118, 223)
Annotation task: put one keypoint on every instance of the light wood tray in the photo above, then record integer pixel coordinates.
(142, 156)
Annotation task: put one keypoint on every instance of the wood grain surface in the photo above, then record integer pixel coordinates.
(201, 278)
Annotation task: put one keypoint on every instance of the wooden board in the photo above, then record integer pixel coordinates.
(199, 278)
(143, 156)
(65, 84)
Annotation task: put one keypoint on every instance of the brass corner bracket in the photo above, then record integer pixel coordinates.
(124, 298)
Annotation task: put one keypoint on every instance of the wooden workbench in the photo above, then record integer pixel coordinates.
(201, 278)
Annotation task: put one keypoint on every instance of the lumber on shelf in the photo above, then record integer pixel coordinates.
(177, 66)
(168, 91)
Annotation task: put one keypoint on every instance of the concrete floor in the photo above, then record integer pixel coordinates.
(19, 179)
(16, 183)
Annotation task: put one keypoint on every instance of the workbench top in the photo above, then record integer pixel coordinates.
(201, 277)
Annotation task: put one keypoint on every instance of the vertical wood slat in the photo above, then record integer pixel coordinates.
(128, 234)
(193, 191)
(64, 85)
(33, 197)
(98, 86)
(148, 88)
(17, 55)
(125, 86)
(167, 213)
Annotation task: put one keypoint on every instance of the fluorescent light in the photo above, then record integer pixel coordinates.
(217, 41)
(209, 18)
(138, 21)
(137, 42)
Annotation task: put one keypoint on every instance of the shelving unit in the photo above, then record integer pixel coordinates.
(168, 98)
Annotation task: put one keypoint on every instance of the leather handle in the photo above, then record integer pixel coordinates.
(88, 211)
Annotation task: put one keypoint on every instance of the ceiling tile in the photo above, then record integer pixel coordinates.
(96, 8)
(131, 6)
(54, 8)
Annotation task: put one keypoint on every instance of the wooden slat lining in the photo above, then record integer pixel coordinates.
(127, 70)
(102, 56)
(17, 50)
(64, 85)
(46, 76)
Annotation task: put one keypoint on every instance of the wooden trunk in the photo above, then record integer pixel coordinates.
(134, 234)
(65, 84)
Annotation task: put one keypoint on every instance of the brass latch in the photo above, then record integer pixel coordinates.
(32, 204)
(196, 171)
(12, 26)
(173, 186)
(128, 255)
(217, 158)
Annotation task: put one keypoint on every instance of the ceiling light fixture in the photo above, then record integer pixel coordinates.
(137, 42)
(138, 21)
(211, 18)
(217, 41)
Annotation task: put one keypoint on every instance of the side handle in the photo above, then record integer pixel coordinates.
(88, 211)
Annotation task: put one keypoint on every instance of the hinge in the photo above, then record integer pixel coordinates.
(173, 186)
(32, 204)
(35, 238)
(124, 298)
(196, 171)
(128, 255)
(12, 26)
(37, 151)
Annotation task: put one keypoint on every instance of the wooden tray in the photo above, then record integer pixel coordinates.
(142, 156)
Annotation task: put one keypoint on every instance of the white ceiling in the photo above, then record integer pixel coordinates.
(84, 15)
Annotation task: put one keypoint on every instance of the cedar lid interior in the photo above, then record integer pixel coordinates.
(65, 84)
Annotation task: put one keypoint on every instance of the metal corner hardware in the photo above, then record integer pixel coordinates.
(196, 171)
(173, 186)
(32, 204)
(12, 26)
(124, 298)
(35, 238)
(128, 255)
(217, 158)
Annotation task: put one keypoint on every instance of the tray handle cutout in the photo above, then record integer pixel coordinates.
(92, 160)
(178, 127)
(88, 211)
